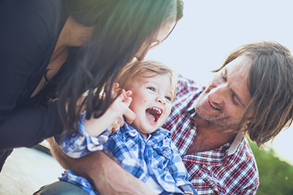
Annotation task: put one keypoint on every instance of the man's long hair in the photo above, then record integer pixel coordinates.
(270, 83)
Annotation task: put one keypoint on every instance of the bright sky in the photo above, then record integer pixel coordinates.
(211, 29)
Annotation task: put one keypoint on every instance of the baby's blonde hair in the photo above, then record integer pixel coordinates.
(136, 68)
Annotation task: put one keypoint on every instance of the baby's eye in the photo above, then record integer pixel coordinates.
(152, 88)
(168, 98)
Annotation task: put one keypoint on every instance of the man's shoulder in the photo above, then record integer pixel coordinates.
(186, 84)
(244, 153)
(187, 92)
(231, 172)
(243, 160)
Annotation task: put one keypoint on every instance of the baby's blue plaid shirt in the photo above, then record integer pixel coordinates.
(78, 145)
(155, 157)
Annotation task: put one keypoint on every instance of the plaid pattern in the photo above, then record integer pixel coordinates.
(79, 145)
(229, 169)
(155, 157)
(81, 182)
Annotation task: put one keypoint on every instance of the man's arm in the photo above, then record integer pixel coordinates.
(105, 174)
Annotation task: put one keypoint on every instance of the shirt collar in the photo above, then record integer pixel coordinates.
(160, 132)
(192, 106)
(236, 143)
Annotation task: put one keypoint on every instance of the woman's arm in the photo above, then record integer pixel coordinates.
(105, 174)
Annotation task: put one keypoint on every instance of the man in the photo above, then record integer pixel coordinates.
(251, 93)
(218, 158)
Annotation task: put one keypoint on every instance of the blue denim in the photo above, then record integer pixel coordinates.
(60, 188)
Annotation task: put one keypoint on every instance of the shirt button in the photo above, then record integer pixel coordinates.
(192, 131)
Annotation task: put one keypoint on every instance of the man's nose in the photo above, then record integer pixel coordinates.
(218, 94)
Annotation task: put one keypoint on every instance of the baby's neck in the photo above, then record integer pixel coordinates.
(146, 136)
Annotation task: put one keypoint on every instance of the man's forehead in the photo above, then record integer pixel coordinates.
(237, 72)
(242, 63)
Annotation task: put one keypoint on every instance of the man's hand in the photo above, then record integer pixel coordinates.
(105, 174)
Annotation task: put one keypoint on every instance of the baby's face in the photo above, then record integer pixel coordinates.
(152, 98)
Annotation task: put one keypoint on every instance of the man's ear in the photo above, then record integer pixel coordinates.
(250, 116)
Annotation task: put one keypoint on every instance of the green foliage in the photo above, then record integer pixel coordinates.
(276, 176)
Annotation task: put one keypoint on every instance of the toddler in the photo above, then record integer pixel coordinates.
(143, 148)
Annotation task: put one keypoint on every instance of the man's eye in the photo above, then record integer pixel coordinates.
(152, 88)
(234, 100)
(224, 75)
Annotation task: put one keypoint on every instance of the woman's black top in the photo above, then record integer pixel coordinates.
(28, 34)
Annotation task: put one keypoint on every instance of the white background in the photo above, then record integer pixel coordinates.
(210, 29)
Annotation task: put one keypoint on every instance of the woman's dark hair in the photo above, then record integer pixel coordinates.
(122, 28)
(270, 83)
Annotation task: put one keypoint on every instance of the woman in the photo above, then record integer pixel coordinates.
(59, 49)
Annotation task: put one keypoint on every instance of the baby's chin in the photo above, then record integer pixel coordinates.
(147, 127)
(147, 130)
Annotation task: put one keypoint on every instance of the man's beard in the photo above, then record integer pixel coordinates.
(216, 120)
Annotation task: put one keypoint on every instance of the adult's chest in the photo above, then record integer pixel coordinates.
(53, 67)
(31, 93)
(207, 179)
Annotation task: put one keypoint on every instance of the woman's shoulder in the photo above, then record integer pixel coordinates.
(31, 30)
(33, 19)
(16, 10)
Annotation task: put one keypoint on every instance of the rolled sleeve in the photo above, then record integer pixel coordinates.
(81, 143)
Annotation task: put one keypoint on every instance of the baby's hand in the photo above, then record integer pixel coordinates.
(113, 117)
(129, 114)
(118, 108)
(121, 103)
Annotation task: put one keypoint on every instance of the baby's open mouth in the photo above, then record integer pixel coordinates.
(153, 114)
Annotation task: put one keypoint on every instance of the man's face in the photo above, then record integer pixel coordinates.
(152, 98)
(225, 99)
